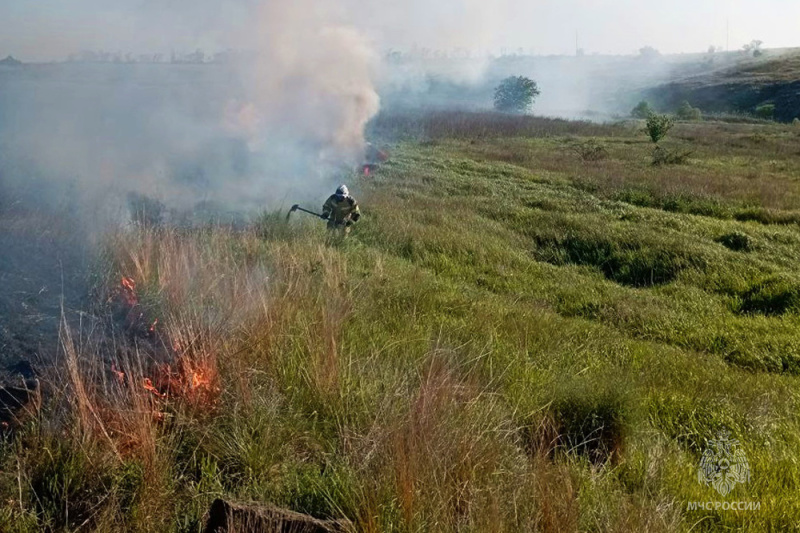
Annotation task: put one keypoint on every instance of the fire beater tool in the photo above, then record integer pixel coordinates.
(296, 207)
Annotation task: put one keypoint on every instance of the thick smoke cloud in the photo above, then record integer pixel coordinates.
(284, 119)
(312, 81)
(281, 118)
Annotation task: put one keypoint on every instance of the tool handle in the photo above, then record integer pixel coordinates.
(309, 212)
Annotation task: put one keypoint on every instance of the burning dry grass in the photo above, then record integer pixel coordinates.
(251, 367)
(430, 373)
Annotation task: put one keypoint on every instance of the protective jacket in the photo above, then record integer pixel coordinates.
(341, 211)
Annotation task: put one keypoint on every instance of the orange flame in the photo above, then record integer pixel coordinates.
(128, 291)
(129, 284)
(200, 379)
(119, 375)
(148, 386)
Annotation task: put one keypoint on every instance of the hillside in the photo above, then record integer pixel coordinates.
(531, 329)
(772, 79)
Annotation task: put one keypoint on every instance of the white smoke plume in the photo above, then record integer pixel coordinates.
(312, 80)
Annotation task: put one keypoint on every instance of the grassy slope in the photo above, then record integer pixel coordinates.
(513, 339)
(738, 84)
(768, 69)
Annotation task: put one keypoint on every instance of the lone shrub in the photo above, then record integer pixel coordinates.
(590, 150)
(515, 94)
(642, 110)
(766, 111)
(658, 126)
(662, 156)
(687, 112)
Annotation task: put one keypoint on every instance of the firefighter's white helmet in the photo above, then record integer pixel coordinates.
(343, 191)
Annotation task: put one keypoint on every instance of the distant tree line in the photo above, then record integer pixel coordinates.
(194, 58)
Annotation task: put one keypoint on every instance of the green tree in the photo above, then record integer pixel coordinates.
(649, 53)
(754, 48)
(515, 94)
(642, 110)
(687, 112)
(658, 126)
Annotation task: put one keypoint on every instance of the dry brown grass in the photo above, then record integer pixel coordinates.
(716, 169)
(481, 125)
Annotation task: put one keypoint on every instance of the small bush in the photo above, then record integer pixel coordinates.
(736, 241)
(662, 156)
(766, 111)
(796, 122)
(658, 126)
(642, 110)
(638, 197)
(687, 112)
(590, 150)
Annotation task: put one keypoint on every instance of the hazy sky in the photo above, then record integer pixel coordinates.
(51, 29)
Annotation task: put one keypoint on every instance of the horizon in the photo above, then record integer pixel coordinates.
(180, 56)
(50, 30)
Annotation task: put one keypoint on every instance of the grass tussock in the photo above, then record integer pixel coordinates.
(628, 262)
(736, 241)
(775, 295)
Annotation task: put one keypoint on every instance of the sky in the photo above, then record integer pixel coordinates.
(41, 30)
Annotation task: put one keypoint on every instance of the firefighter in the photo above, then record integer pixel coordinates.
(341, 210)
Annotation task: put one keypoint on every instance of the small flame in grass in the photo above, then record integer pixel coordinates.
(129, 284)
(153, 326)
(127, 291)
(200, 379)
(149, 387)
(119, 375)
(193, 378)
